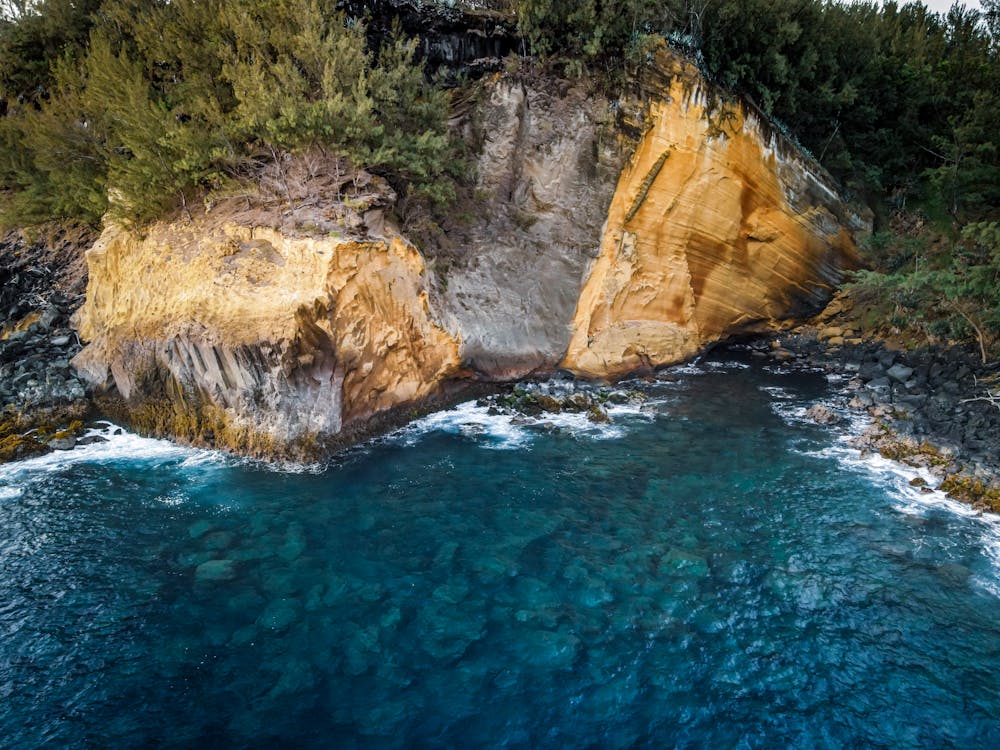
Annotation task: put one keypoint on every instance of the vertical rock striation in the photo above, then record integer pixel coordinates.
(262, 343)
(544, 180)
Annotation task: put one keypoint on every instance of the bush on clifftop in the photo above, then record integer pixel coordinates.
(160, 99)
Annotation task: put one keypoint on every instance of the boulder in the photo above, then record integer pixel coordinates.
(899, 372)
(822, 415)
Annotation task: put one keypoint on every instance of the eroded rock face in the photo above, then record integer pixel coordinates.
(274, 337)
(715, 227)
(545, 177)
(256, 341)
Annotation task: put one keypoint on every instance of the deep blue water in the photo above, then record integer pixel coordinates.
(710, 572)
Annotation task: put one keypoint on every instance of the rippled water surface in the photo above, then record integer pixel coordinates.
(712, 571)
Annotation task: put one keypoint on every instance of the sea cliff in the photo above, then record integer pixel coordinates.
(605, 236)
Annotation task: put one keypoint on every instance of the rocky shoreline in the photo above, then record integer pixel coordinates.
(930, 408)
(43, 403)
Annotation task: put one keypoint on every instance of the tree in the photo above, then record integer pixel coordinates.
(166, 98)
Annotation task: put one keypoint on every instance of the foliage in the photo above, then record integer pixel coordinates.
(161, 99)
(896, 101)
(950, 289)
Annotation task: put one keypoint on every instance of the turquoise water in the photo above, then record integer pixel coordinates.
(709, 571)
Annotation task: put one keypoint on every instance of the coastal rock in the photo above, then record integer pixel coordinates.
(929, 405)
(62, 444)
(716, 227)
(258, 340)
(822, 415)
(41, 277)
(899, 372)
(508, 284)
(288, 328)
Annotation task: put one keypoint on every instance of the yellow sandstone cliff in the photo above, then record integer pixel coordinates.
(702, 239)
(241, 336)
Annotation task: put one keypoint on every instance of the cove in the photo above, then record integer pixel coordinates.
(710, 570)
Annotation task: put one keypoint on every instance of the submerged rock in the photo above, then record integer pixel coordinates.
(279, 615)
(216, 570)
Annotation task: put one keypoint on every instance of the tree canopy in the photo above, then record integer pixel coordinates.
(124, 106)
(896, 101)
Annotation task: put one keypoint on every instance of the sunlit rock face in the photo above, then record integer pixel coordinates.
(259, 342)
(603, 237)
(716, 227)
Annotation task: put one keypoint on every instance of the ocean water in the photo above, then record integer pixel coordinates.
(710, 570)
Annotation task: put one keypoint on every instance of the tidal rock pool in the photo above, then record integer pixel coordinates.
(708, 570)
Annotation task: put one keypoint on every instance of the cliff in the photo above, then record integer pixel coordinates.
(261, 342)
(717, 226)
(602, 237)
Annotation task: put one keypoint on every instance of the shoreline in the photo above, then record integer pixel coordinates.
(915, 420)
(924, 405)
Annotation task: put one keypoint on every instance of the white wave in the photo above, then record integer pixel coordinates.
(791, 413)
(514, 431)
(894, 479)
(688, 368)
(786, 368)
(725, 364)
(9, 493)
(118, 445)
(776, 391)
(172, 499)
(991, 547)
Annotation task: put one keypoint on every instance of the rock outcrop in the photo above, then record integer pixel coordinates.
(256, 341)
(277, 335)
(717, 226)
(545, 177)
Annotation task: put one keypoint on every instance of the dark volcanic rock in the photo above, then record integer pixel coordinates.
(42, 282)
(930, 407)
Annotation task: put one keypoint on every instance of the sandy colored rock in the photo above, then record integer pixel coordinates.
(716, 227)
(273, 329)
(263, 340)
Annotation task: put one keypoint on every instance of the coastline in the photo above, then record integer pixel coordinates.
(927, 406)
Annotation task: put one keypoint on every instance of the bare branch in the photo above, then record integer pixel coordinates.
(980, 336)
(990, 397)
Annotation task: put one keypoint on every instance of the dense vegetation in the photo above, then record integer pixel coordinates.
(127, 106)
(879, 94)
(131, 106)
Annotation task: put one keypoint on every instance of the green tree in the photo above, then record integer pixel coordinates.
(165, 98)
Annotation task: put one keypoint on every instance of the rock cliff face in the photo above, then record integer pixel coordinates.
(247, 338)
(241, 331)
(716, 227)
(545, 177)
